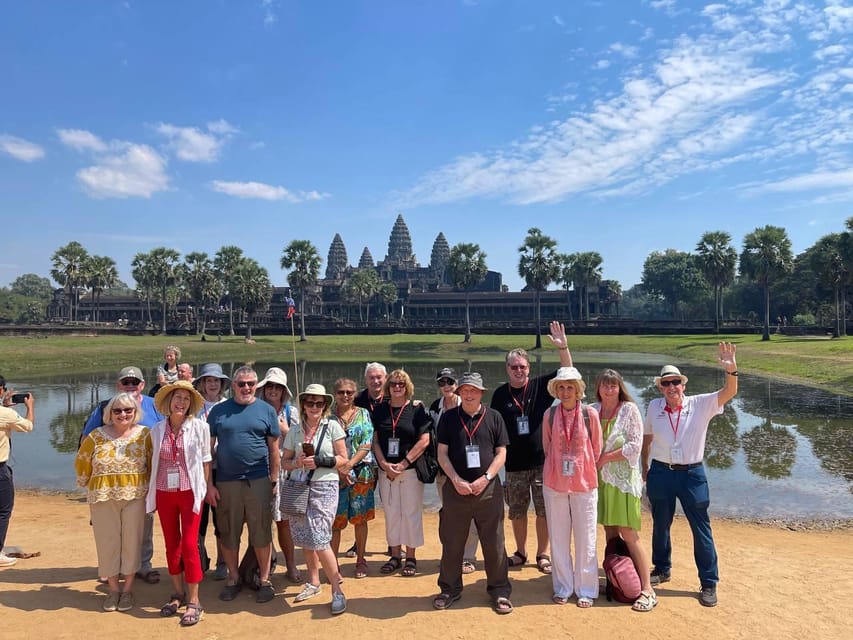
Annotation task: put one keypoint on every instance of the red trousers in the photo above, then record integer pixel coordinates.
(180, 531)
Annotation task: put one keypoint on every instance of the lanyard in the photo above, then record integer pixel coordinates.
(395, 421)
(173, 441)
(476, 426)
(567, 430)
(523, 397)
(372, 404)
(674, 427)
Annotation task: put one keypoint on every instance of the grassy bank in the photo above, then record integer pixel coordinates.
(815, 361)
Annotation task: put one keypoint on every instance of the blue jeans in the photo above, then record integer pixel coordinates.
(7, 500)
(664, 485)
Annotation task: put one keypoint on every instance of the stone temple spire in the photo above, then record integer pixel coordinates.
(440, 256)
(366, 260)
(399, 244)
(337, 262)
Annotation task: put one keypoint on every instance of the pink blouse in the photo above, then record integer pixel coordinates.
(568, 442)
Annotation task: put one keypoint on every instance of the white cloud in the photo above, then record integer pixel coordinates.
(191, 144)
(830, 51)
(81, 140)
(626, 50)
(263, 191)
(21, 149)
(559, 21)
(602, 64)
(269, 8)
(812, 181)
(136, 170)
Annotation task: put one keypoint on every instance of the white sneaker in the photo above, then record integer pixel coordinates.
(308, 591)
(339, 603)
(6, 561)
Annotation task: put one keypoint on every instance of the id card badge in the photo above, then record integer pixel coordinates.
(676, 456)
(173, 478)
(393, 447)
(472, 456)
(568, 466)
(523, 426)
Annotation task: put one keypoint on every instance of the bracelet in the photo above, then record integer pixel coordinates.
(732, 373)
(408, 462)
(566, 348)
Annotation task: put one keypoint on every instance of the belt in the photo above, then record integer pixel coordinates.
(679, 467)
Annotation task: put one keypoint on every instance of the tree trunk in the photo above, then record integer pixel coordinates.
(248, 326)
(163, 311)
(766, 335)
(538, 322)
(230, 316)
(302, 337)
(467, 318)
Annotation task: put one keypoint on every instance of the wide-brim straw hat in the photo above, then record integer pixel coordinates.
(276, 376)
(315, 390)
(162, 396)
(670, 371)
(563, 374)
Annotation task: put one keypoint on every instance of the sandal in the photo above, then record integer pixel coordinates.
(176, 601)
(646, 602)
(294, 576)
(468, 567)
(559, 599)
(192, 615)
(445, 600)
(361, 568)
(543, 563)
(517, 559)
(391, 566)
(410, 568)
(502, 605)
(151, 577)
(584, 602)
(230, 591)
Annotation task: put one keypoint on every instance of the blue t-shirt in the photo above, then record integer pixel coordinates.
(150, 416)
(241, 432)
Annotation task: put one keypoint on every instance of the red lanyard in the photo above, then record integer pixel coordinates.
(476, 426)
(372, 404)
(395, 421)
(523, 396)
(566, 428)
(173, 441)
(677, 421)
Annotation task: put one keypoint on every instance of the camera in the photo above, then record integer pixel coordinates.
(18, 398)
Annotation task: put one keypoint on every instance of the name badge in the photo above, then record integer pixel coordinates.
(523, 426)
(393, 447)
(568, 467)
(472, 456)
(676, 456)
(173, 478)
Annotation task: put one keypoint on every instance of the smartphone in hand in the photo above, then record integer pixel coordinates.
(308, 448)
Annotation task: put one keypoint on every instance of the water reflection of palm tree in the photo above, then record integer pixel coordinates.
(65, 430)
(770, 450)
(722, 442)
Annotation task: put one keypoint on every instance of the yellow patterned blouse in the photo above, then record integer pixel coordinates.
(114, 468)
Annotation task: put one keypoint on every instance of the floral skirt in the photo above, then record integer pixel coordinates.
(313, 530)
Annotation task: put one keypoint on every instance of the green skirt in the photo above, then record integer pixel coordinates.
(617, 509)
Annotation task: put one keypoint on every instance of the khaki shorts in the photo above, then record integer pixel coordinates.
(248, 501)
(520, 485)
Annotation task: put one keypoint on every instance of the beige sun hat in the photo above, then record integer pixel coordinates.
(276, 376)
(162, 396)
(563, 374)
(670, 371)
(316, 390)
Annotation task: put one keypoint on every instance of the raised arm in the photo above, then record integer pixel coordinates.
(558, 339)
(727, 359)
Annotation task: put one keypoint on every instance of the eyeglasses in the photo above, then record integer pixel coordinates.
(398, 385)
(118, 411)
(313, 404)
(344, 392)
(446, 382)
(517, 367)
(130, 381)
(670, 383)
(246, 383)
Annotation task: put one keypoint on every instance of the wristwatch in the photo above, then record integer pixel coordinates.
(489, 476)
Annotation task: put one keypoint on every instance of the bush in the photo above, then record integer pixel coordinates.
(803, 319)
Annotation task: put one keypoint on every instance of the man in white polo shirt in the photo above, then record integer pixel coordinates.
(673, 449)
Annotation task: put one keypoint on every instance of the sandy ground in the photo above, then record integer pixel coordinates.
(776, 583)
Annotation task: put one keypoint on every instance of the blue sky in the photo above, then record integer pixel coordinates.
(622, 127)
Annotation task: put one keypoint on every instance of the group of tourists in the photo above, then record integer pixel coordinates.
(311, 463)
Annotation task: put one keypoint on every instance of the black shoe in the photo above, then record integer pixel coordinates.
(659, 577)
(708, 596)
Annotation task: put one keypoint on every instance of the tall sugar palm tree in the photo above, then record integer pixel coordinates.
(304, 259)
(225, 263)
(69, 271)
(766, 256)
(101, 273)
(717, 261)
(466, 267)
(252, 290)
(539, 265)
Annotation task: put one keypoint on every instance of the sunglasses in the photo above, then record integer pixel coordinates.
(670, 383)
(130, 381)
(446, 382)
(344, 392)
(246, 383)
(518, 367)
(118, 412)
(313, 404)
(398, 385)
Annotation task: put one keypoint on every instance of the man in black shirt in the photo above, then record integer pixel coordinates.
(472, 442)
(374, 379)
(522, 403)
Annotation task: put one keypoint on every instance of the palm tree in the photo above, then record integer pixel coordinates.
(387, 294)
(539, 265)
(143, 273)
(304, 259)
(587, 273)
(363, 285)
(717, 260)
(252, 290)
(828, 263)
(466, 267)
(225, 263)
(567, 277)
(101, 273)
(614, 294)
(68, 271)
(766, 256)
(164, 263)
(202, 285)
